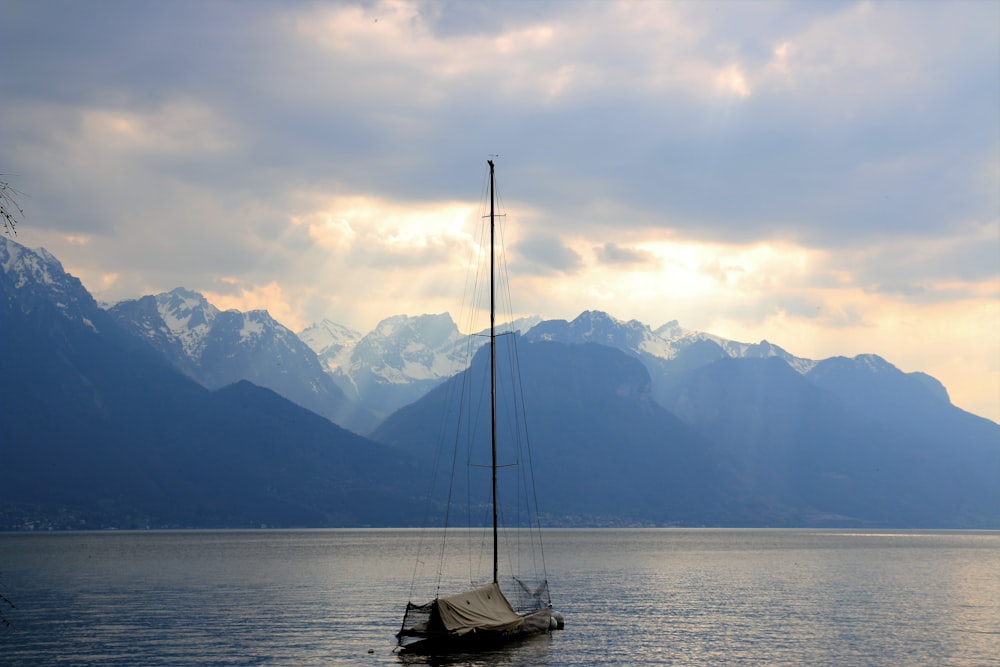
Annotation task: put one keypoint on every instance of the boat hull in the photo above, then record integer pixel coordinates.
(436, 643)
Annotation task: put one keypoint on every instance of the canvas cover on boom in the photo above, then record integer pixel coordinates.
(483, 608)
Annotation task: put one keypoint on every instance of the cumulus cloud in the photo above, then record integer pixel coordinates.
(545, 255)
(612, 253)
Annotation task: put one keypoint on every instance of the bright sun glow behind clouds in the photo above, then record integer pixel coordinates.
(367, 231)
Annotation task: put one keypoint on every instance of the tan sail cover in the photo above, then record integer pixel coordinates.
(483, 608)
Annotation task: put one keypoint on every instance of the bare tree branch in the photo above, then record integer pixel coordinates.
(10, 211)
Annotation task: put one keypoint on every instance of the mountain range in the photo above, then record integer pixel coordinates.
(217, 348)
(166, 412)
(397, 362)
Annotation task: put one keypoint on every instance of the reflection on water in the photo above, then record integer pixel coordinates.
(535, 650)
(673, 597)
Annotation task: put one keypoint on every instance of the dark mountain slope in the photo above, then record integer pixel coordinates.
(805, 455)
(601, 447)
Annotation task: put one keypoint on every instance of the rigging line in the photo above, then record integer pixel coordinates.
(472, 418)
(472, 424)
(447, 513)
(513, 387)
(521, 407)
(464, 429)
(478, 263)
(515, 361)
(514, 428)
(484, 535)
(436, 467)
(506, 542)
(531, 472)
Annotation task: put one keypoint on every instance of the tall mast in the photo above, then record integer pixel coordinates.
(493, 372)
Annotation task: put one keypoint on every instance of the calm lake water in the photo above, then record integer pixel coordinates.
(647, 596)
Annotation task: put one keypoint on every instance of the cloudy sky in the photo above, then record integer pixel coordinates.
(822, 175)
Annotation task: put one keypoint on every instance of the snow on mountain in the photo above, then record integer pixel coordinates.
(403, 347)
(218, 348)
(188, 316)
(38, 270)
(672, 330)
(592, 326)
(333, 344)
(325, 334)
(665, 343)
(761, 350)
(522, 324)
(182, 320)
(24, 265)
(398, 361)
(402, 358)
(252, 326)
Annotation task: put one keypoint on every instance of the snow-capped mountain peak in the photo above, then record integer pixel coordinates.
(403, 348)
(672, 330)
(188, 317)
(39, 270)
(593, 326)
(38, 265)
(326, 333)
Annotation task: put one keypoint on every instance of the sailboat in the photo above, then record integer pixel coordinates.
(483, 615)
